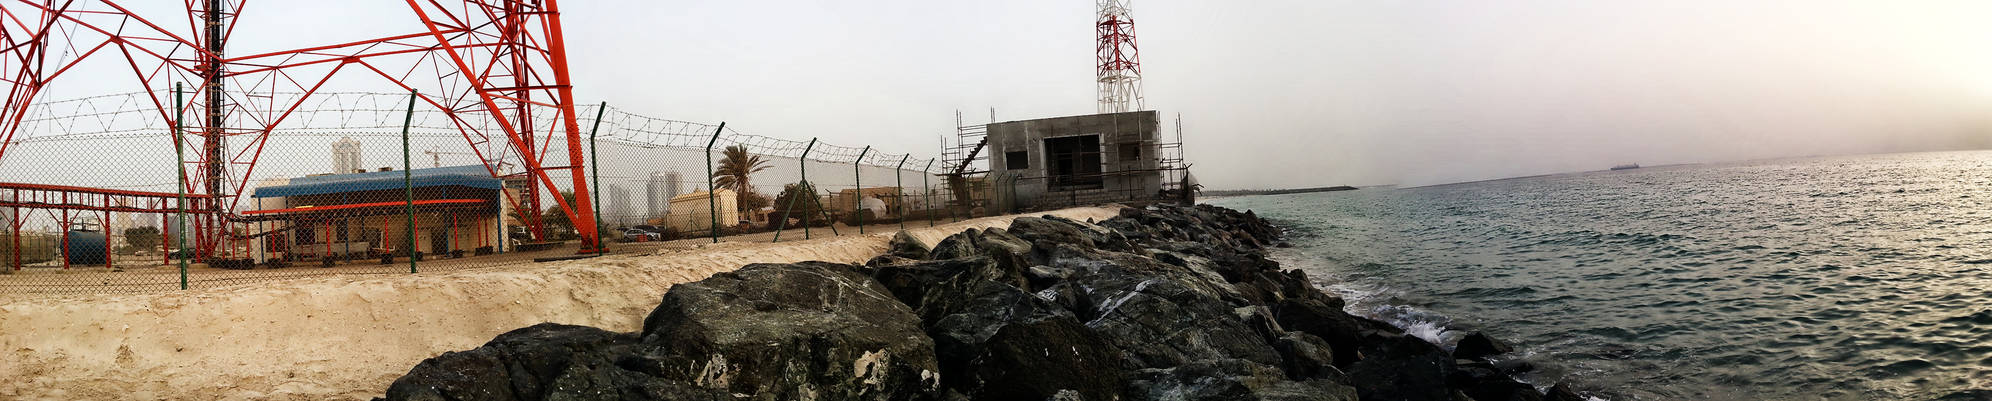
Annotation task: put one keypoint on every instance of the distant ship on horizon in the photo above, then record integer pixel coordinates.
(1625, 167)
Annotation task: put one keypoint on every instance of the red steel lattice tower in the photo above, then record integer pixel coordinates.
(1118, 58)
(496, 68)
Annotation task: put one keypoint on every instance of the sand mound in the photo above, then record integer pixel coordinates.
(347, 337)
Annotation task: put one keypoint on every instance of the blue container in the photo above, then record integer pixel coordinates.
(85, 248)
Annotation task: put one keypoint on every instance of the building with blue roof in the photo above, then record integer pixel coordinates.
(458, 210)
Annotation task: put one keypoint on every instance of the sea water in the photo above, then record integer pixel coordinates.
(1856, 277)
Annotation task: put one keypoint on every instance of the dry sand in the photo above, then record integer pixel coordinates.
(349, 336)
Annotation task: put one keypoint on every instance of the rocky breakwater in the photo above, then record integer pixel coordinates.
(1166, 303)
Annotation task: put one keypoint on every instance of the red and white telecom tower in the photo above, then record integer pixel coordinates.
(1119, 59)
(483, 63)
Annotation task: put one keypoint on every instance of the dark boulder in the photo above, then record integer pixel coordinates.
(1035, 229)
(1398, 367)
(961, 244)
(1477, 345)
(1343, 332)
(540, 362)
(910, 282)
(888, 260)
(905, 246)
(1305, 356)
(1231, 379)
(1160, 322)
(1102, 236)
(794, 331)
(1484, 382)
(996, 341)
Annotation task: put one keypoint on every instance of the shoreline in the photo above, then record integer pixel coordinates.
(348, 336)
(1162, 303)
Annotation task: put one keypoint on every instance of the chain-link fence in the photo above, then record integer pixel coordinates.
(100, 194)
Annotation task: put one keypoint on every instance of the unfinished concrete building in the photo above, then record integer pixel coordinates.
(1077, 160)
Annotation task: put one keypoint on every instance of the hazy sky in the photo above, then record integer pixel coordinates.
(1293, 93)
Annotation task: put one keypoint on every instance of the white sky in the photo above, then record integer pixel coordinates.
(1289, 93)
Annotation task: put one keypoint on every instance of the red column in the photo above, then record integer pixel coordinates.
(107, 231)
(65, 233)
(15, 225)
(383, 234)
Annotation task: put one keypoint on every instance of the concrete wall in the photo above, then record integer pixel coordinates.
(1135, 179)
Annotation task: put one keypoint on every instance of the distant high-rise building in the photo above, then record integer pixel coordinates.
(659, 191)
(346, 156)
(619, 207)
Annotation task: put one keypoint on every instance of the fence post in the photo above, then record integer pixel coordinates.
(595, 163)
(927, 192)
(408, 179)
(858, 194)
(825, 212)
(799, 186)
(179, 187)
(712, 194)
(899, 181)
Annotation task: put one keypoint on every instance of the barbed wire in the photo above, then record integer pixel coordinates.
(134, 115)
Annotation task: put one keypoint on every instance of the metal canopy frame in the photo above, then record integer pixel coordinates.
(497, 68)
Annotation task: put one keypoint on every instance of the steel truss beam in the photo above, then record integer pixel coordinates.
(496, 68)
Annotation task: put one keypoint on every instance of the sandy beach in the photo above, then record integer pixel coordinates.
(347, 336)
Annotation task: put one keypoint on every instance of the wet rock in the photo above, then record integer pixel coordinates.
(996, 341)
(1305, 356)
(1483, 382)
(544, 361)
(961, 244)
(905, 246)
(1037, 228)
(1102, 237)
(1159, 322)
(888, 260)
(1401, 368)
(810, 330)
(1231, 379)
(910, 282)
(1159, 315)
(1477, 345)
(1562, 392)
(1004, 241)
(1344, 333)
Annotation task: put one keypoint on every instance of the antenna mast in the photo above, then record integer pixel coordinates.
(1119, 59)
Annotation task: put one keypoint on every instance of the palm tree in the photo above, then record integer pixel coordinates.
(735, 168)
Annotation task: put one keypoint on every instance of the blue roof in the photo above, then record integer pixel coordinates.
(462, 176)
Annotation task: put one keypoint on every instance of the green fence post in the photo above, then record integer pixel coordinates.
(408, 179)
(858, 195)
(927, 192)
(799, 186)
(179, 187)
(899, 181)
(813, 197)
(595, 163)
(712, 194)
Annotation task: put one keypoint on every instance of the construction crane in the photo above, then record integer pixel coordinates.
(436, 156)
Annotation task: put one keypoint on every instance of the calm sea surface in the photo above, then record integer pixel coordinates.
(1861, 277)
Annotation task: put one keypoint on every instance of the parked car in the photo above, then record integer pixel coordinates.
(634, 234)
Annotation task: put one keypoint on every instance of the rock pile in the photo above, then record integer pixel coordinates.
(1165, 303)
